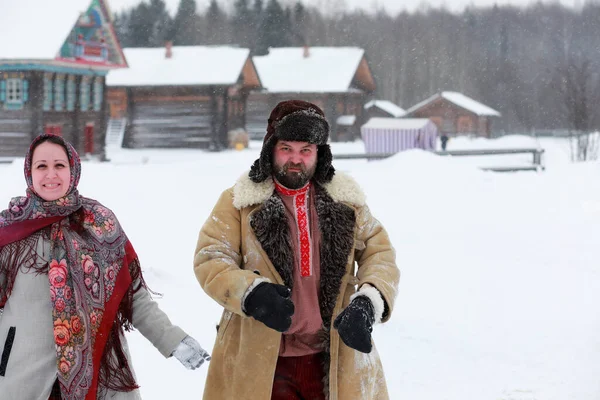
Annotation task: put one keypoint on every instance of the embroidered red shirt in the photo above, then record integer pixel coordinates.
(300, 197)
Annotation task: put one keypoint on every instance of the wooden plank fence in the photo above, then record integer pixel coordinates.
(535, 166)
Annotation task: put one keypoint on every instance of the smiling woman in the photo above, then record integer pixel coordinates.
(50, 172)
(70, 285)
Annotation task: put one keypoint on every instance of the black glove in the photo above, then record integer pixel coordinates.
(355, 324)
(270, 304)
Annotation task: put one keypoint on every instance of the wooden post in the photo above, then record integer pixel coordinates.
(225, 119)
(537, 158)
(77, 126)
(330, 111)
(36, 98)
(214, 111)
(129, 117)
(104, 116)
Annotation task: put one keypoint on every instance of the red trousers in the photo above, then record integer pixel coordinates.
(299, 378)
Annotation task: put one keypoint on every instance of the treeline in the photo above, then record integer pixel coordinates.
(539, 66)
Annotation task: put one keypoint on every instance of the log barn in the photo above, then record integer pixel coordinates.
(181, 96)
(337, 79)
(383, 109)
(455, 114)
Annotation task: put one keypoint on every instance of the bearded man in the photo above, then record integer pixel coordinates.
(302, 270)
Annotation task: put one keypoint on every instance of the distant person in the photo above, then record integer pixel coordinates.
(70, 285)
(444, 140)
(418, 144)
(279, 253)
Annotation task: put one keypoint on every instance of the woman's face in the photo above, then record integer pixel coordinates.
(50, 171)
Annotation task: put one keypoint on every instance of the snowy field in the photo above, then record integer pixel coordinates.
(500, 291)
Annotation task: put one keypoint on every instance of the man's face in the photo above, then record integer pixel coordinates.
(295, 163)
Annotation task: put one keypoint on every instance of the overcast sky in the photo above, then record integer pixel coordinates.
(392, 6)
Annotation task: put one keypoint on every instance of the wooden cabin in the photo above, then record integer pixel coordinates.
(346, 126)
(53, 64)
(455, 114)
(337, 79)
(182, 96)
(383, 109)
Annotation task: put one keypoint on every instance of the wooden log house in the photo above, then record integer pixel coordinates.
(182, 96)
(337, 79)
(383, 109)
(54, 59)
(455, 114)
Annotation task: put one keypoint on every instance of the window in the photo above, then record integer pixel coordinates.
(59, 93)
(84, 94)
(98, 94)
(71, 96)
(13, 92)
(47, 92)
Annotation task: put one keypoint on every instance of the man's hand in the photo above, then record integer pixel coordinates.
(355, 324)
(270, 304)
(190, 353)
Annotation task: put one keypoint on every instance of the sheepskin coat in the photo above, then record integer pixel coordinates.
(247, 237)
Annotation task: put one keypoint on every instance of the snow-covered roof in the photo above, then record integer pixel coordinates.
(188, 65)
(396, 123)
(346, 120)
(325, 70)
(387, 106)
(460, 100)
(37, 29)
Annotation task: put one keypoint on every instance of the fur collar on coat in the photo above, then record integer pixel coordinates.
(342, 188)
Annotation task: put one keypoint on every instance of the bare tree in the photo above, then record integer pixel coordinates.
(578, 86)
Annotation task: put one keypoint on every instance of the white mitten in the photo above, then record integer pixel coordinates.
(190, 353)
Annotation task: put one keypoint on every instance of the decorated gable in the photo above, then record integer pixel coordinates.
(93, 39)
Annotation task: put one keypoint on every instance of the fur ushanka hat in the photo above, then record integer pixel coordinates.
(296, 121)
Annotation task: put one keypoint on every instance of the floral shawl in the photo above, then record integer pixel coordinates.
(91, 270)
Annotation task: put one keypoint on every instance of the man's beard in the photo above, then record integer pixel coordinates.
(294, 180)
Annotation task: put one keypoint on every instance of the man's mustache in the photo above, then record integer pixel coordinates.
(289, 165)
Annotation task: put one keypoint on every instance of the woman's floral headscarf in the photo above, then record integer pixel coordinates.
(91, 272)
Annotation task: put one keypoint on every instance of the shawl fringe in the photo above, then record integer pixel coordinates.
(115, 373)
(13, 256)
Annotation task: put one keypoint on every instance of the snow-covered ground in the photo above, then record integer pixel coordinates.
(500, 289)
